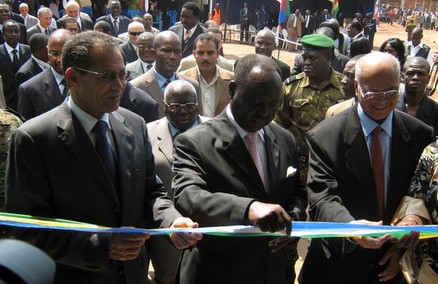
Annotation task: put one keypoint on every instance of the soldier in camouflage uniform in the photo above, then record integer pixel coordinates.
(309, 94)
(9, 121)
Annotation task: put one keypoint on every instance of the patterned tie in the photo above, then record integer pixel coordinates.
(166, 83)
(15, 61)
(252, 139)
(116, 27)
(187, 36)
(104, 150)
(47, 32)
(379, 179)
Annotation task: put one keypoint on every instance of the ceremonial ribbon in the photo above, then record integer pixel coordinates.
(299, 229)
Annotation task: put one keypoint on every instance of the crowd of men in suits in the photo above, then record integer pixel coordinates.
(131, 126)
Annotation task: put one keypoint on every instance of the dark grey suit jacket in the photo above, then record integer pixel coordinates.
(56, 172)
(215, 183)
(35, 30)
(341, 188)
(123, 24)
(39, 95)
(27, 71)
(148, 83)
(139, 102)
(427, 113)
(7, 71)
(129, 52)
(187, 48)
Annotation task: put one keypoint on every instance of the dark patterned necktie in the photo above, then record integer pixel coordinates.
(15, 61)
(104, 150)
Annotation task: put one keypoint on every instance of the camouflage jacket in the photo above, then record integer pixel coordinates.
(304, 105)
(9, 121)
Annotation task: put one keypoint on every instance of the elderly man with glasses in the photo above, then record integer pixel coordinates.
(361, 162)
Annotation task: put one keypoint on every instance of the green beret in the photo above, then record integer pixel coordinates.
(317, 41)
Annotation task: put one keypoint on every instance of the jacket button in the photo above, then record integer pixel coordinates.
(116, 209)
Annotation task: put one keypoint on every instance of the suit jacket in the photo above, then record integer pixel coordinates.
(310, 26)
(58, 174)
(215, 182)
(86, 24)
(31, 21)
(39, 95)
(129, 52)
(284, 68)
(290, 23)
(221, 90)
(148, 83)
(27, 71)
(123, 24)
(190, 61)
(36, 29)
(136, 69)
(341, 189)
(427, 113)
(7, 72)
(339, 107)
(139, 102)
(187, 48)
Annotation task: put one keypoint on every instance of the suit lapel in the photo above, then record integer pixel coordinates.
(165, 144)
(235, 147)
(222, 97)
(273, 156)
(152, 88)
(51, 88)
(358, 161)
(124, 139)
(76, 141)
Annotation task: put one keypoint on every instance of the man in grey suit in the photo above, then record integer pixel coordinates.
(240, 168)
(182, 114)
(189, 28)
(145, 62)
(91, 161)
(361, 162)
(44, 20)
(29, 20)
(167, 51)
(72, 10)
(37, 62)
(119, 24)
(49, 88)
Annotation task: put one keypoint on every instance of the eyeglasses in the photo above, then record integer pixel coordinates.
(148, 47)
(108, 76)
(177, 107)
(135, 33)
(374, 96)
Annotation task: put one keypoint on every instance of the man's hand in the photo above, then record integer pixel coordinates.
(369, 242)
(390, 259)
(126, 246)
(269, 217)
(184, 240)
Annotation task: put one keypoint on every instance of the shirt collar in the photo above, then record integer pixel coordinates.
(10, 48)
(368, 124)
(87, 121)
(242, 132)
(161, 79)
(216, 76)
(58, 77)
(113, 19)
(42, 64)
(173, 130)
(192, 30)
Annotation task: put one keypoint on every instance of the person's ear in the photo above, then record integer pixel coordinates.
(71, 76)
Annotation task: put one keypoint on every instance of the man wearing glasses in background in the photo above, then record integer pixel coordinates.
(129, 48)
(182, 113)
(361, 162)
(89, 160)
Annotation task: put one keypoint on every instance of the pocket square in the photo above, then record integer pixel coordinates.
(291, 171)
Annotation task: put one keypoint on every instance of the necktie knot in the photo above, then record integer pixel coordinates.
(187, 36)
(252, 137)
(168, 81)
(100, 128)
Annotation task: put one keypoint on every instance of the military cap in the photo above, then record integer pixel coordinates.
(317, 41)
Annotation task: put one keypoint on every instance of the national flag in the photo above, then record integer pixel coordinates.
(335, 7)
(284, 11)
